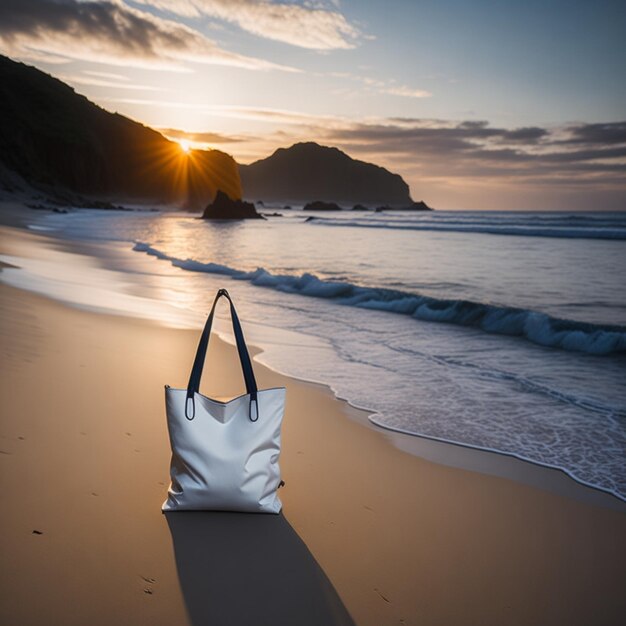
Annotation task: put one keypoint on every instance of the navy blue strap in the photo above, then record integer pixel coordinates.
(198, 364)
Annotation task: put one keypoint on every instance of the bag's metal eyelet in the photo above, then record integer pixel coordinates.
(193, 408)
(256, 410)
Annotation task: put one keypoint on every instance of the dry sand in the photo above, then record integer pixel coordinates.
(84, 462)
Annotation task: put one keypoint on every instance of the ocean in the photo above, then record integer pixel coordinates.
(503, 331)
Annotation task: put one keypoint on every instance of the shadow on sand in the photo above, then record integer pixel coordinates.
(243, 569)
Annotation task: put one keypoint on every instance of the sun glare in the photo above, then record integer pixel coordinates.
(184, 146)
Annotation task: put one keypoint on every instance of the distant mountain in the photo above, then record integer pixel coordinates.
(54, 137)
(307, 171)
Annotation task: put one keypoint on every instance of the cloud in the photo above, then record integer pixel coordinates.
(166, 104)
(527, 134)
(407, 92)
(108, 75)
(612, 132)
(279, 116)
(200, 137)
(95, 81)
(108, 31)
(474, 149)
(310, 25)
(295, 121)
(386, 86)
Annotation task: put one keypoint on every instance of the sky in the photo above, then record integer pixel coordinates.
(478, 105)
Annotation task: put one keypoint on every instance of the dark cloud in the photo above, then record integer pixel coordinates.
(473, 124)
(592, 154)
(107, 31)
(427, 139)
(611, 133)
(526, 134)
(465, 136)
(587, 154)
(130, 31)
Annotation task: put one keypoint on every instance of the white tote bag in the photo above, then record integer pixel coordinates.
(224, 454)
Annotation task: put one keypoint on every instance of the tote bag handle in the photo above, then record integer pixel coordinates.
(198, 364)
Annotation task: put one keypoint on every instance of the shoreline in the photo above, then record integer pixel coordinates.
(552, 478)
(446, 452)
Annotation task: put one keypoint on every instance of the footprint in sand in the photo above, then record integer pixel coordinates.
(150, 581)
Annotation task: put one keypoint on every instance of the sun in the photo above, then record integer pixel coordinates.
(185, 146)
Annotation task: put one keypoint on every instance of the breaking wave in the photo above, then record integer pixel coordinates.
(537, 327)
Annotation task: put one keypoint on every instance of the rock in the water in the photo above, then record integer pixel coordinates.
(359, 207)
(223, 208)
(416, 206)
(319, 205)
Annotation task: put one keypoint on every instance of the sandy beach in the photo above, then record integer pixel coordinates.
(369, 534)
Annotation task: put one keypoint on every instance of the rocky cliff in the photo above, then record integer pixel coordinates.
(56, 138)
